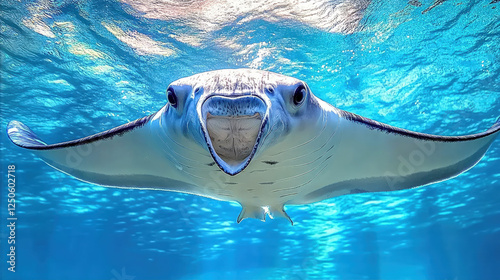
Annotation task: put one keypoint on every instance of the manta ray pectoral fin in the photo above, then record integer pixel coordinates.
(124, 157)
(375, 157)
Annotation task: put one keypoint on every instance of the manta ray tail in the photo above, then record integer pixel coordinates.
(279, 212)
(258, 212)
(249, 211)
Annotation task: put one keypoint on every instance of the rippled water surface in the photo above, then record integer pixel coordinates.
(73, 68)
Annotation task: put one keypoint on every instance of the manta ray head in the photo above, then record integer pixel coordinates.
(238, 112)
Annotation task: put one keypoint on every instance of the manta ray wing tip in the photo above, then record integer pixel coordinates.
(23, 136)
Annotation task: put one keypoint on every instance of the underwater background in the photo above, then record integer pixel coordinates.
(74, 68)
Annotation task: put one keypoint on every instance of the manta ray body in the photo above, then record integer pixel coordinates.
(261, 139)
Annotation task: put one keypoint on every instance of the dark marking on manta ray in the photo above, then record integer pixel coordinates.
(266, 183)
(260, 170)
(270, 162)
(288, 194)
(230, 183)
(211, 164)
(225, 194)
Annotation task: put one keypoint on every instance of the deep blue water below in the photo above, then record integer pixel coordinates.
(73, 68)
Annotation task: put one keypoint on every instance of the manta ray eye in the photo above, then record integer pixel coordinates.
(172, 98)
(299, 95)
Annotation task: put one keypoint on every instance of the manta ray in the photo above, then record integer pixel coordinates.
(261, 139)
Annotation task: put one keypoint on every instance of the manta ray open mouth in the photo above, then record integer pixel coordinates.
(233, 126)
(233, 137)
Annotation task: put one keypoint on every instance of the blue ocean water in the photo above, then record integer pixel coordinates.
(73, 68)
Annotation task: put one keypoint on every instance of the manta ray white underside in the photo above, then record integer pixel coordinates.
(261, 139)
